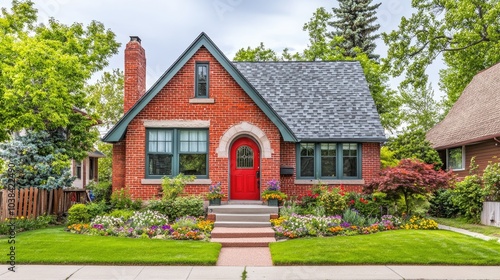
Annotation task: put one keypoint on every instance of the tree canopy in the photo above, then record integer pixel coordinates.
(43, 71)
(466, 33)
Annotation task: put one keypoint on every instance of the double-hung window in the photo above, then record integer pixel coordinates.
(201, 83)
(329, 161)
(173, 151)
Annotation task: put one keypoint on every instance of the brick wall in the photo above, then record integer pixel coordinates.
(135, 73)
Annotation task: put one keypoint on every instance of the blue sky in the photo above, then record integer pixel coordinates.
(168, 27)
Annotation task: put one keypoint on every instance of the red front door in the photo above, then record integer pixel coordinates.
(245, 166)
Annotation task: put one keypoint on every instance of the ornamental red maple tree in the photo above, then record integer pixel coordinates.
(409, 178)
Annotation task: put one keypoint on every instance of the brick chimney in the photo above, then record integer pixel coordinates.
(135, 73)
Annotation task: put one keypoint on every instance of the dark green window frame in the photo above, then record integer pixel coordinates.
(175, 151)
(336, 155)
(202, 78)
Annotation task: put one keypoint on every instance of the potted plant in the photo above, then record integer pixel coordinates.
(215, 194)
(272, 194)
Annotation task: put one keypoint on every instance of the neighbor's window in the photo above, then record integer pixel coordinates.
(79, 170)
(456, 158)
(201, 80)
(329, 160)
(174, 151)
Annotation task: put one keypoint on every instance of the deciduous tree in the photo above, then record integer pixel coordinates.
(411, 177)
(43, 71)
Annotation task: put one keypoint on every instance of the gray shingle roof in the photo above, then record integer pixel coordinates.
(318, 100)
(475, 116)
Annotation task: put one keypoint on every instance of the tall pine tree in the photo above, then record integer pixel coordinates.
(355, 23)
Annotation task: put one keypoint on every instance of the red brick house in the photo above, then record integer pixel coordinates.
(472, 127)
(243, 124)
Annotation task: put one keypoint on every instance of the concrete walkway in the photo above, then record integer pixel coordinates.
(466, 232)
(72, 272)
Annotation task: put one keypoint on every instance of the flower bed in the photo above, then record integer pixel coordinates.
(147, 224)
(296, 226)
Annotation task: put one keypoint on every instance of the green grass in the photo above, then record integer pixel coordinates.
(422, 247)
(462, 223)
(56, 246)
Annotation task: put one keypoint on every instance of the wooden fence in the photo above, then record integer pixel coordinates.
(33, 202)
(491, 213)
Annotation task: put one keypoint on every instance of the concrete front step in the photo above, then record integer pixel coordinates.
(224, 232)
(242, 224)
(242, 217)
(242, 209)
(244, 242)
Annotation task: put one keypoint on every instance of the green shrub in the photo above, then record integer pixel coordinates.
(491, 178)
(366, 205)
(441, 204)
(173, 187)
(25, 224)
(333, 202)
(96, 208)
(78, 214)
(101, 190)
(179, 207)
(468, 196)
(121, 213)
(122, 200)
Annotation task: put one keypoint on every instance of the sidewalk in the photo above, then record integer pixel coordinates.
(72, 272)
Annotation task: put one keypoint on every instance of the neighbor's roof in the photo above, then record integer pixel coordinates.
(318, 100)
(475, 116)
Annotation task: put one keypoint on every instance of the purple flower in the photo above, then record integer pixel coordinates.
(345, 224)
(154, 227)
(273, 185)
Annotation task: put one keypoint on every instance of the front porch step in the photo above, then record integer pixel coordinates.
(245, 202)
(242, 209)
(226, 232)
(242, 218)
(245, 242)
(242, 224)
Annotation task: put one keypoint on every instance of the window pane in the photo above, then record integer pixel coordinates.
(244, 157)
(455, 158)
(160, 164)
(193, 164)
(202, 89)
(202, 73)
(307, 149)
(350, 159)
(161, 135)
(153, 147)
(161, 147)
(307, 166)
(153, 135)
(328, 160)
(193, 141)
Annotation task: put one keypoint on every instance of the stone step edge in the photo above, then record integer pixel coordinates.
(242, 235)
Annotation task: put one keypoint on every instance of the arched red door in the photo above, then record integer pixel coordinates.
(245, 167)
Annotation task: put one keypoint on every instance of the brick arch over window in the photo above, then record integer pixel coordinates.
(244, 128)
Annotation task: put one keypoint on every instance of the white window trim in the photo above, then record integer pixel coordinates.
(448, 159)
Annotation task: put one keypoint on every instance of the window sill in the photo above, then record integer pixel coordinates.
(158, 182)
(201, 101)
(329, 182)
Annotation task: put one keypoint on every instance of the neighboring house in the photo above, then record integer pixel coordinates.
(472, 127)
(86, 170)
(243, 124)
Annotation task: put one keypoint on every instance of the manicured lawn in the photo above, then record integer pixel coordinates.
(56, 246)
(461, 223)
(390, 247)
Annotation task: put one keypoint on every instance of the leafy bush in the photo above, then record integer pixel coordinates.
(25, 224)
(78, 214)
(173, 187)
(333, 202)
(441, 204)
(121, 213)
(491, 178)
(355, 218)
(179, 207)
(366, 205)
(468, 196)
(100, 190)
(96, 208)
(186, 221)
(122, 200)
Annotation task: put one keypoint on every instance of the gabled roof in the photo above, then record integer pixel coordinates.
(475, 116)
(321, 100)
(118, 131)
